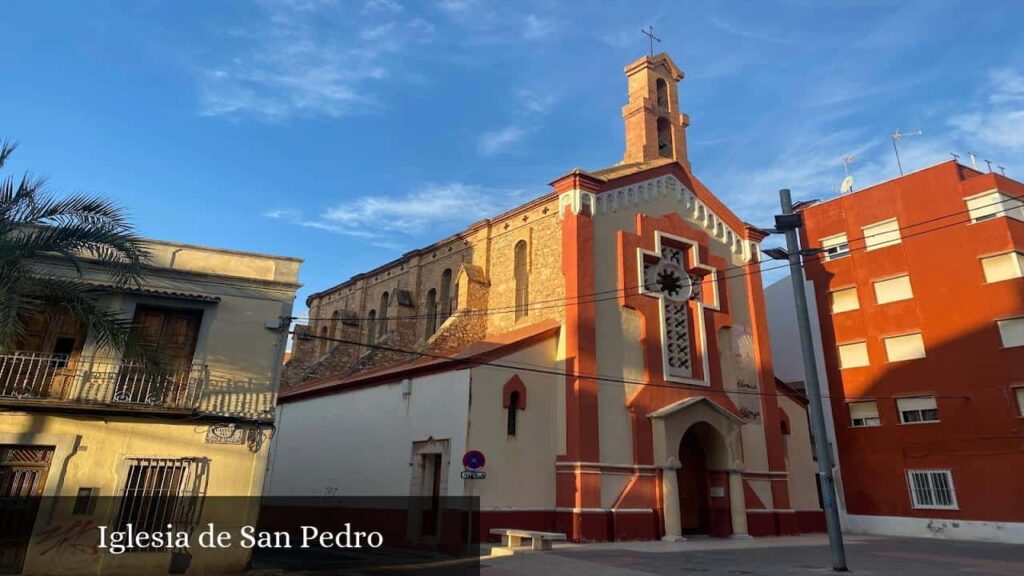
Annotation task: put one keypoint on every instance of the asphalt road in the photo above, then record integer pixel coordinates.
(802, 555)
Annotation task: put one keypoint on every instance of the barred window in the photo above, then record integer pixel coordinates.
(932, 489)
(162, 491)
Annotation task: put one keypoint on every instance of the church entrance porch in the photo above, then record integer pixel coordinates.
(697, 448)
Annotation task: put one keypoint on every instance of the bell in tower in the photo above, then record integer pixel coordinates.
(655, 128)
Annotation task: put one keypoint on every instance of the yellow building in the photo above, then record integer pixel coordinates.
(79, 423)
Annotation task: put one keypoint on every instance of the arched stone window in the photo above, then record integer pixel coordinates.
(513, 410)
(664, 138)
(323, 340)
(513, 396)
(371, 327)
(431, 312)
(383, 314)
(446, 294)
(522, 279)
(662, 93)
(786, 431)
(334, 324)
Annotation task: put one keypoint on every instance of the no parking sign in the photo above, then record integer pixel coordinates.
(473, 461)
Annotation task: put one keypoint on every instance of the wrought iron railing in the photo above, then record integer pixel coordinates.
(59, 377)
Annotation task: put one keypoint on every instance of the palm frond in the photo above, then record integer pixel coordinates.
(81, 231)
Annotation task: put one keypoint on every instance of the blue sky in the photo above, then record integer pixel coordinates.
(348, 132)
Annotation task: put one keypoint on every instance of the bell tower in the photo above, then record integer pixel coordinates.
(655, 128)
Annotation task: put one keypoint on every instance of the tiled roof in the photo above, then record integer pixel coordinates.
(474, 354)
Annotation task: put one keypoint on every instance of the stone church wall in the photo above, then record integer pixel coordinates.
(481, 261)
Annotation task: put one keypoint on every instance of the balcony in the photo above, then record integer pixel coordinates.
(35, 378)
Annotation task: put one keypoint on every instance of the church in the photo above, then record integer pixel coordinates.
(604, 346)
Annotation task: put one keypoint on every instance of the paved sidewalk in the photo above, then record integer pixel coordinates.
(803, 555)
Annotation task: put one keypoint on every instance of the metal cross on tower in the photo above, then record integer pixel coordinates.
(649, 32)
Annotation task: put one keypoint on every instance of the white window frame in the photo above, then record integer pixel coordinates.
(839, 253)
(1018, 395)
(871, 241)
(874, 289)
(904, 421)
(888, 356)
(839, 354)
(865, 422)
(1018, 263)
(1004, 205)
(1002, 335)
(832, 300)
(918, 503)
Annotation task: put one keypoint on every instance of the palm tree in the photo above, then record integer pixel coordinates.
(77, 231)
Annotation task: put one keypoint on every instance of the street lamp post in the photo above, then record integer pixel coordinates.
(788, 222)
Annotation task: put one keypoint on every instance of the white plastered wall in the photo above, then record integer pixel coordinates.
(520, 469)
(359, 442)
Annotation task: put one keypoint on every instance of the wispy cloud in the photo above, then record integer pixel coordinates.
(393, 221)
(306, 57)
(501, 140)
(389, 6)
(811, 166)
(737, 29)
(535, 27)
(998, 126)
(537, 101)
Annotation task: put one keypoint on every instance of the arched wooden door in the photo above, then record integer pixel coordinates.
(694, 497)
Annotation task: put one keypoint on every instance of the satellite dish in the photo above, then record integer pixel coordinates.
(847, 186)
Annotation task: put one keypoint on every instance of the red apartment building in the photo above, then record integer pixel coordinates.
(920, 299)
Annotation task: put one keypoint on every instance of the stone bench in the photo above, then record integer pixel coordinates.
(512, 538)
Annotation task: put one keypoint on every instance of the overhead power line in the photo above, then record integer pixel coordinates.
(615, 293)
(538, 369)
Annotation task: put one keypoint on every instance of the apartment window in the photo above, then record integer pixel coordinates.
(1011, 331)
(845, 300)
(162, 491)
(864, 414)
(993, 205)
(932, 489)
(893, 290)
(1019, 393)
(853, 355)
(917, 409)
(1003, 266)
(900, 348)
(835, 247)
(881, 234)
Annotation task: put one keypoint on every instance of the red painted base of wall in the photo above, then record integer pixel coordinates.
(607, 526)
(785, 523)
(811, 521)
(542, 520)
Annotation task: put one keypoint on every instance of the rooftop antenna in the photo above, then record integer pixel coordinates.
(974, 159)
(896, 137)
(989, 162)
(847, 186)
(956, 157)
(1002, 170)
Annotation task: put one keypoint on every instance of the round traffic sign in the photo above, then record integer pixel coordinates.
(473, 460)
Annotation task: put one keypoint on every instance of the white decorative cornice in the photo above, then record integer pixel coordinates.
(636, 195)
(579, 201)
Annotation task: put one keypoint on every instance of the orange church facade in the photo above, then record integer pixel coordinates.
(920, 294)
(646, 406)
